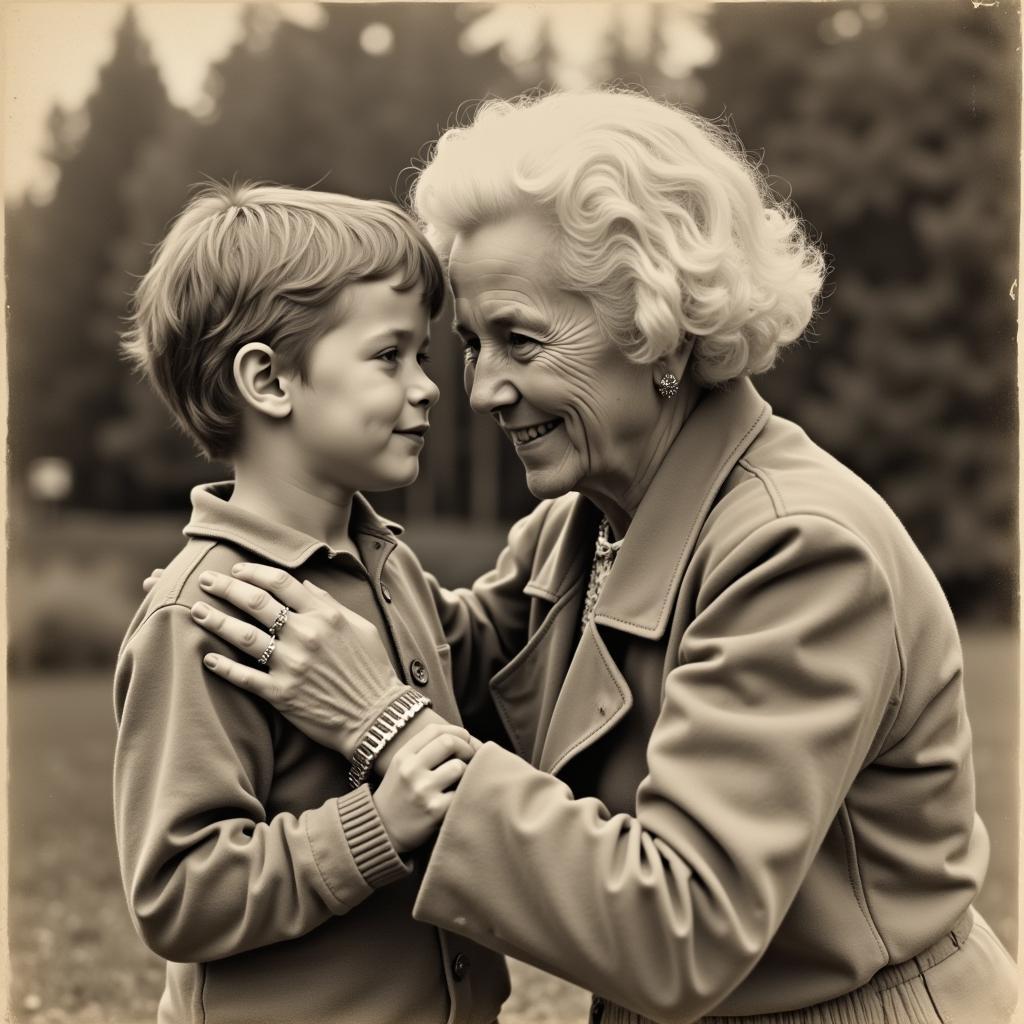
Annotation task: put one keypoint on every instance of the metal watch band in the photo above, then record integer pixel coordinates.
(395, 717)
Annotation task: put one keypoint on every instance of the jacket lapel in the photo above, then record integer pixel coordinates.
(526, 689)
(639, 593)
(590, 703)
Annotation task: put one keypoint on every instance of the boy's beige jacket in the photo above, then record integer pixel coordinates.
(748, 786)
(271, 888)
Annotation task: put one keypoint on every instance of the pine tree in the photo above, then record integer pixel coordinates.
(64, 296)
(895, 130)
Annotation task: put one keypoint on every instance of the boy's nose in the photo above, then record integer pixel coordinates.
(425, 392)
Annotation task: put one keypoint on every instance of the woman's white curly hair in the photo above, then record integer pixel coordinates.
(665, 224)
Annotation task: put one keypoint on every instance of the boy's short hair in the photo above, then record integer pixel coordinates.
(254, 262)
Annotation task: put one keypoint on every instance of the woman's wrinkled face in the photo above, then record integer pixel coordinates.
(577, 411)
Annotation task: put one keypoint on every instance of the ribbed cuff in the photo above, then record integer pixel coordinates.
(378, 861)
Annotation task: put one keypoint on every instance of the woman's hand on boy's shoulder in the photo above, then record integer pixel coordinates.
(321, 665)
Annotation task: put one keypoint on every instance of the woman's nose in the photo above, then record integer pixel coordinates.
(488, 388)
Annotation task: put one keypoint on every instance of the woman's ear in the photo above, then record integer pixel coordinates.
(674, 363)
(259, 382)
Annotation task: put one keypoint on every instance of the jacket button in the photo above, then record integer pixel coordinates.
(597, 1010)
(418, 671)
(460, 966)
(385, 592)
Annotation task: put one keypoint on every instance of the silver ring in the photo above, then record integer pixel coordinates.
(278, 624)
(264, 658)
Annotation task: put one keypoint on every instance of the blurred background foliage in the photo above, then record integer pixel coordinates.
(893, 126)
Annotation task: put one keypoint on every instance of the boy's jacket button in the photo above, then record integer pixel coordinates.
(418, 671)
(460, 966)
(385, 592)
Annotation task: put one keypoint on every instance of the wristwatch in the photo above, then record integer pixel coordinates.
(395, 717)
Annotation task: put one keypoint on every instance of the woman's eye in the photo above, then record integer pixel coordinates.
(522, 341)
(389, 355)
(470, 349)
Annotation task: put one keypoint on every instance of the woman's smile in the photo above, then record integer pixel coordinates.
(523, 437)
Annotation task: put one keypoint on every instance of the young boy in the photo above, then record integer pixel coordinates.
(286, 330)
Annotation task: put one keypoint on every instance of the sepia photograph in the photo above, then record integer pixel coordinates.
(512, 512)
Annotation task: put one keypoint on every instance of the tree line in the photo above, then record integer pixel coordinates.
(894, 127)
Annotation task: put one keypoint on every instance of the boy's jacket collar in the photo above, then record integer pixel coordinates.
(662, 535)
(216, 518)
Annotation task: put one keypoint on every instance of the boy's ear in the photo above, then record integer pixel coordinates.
(258, 381)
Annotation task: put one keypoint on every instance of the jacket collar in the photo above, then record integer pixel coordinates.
(215, 518)
(637, 596)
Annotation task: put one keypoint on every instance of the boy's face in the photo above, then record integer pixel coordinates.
(360, 417)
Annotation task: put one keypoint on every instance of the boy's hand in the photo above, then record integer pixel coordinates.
(418, 786)
(408, 736)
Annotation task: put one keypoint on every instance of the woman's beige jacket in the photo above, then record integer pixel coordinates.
(748, 786)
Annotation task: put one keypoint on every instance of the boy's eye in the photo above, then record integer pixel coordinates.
(389, 355)
(424, 359)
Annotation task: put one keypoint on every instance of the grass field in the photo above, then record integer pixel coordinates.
(76, 958)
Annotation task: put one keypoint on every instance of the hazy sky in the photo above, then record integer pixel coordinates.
(52, 52)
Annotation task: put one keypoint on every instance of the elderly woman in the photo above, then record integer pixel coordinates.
(740, 782)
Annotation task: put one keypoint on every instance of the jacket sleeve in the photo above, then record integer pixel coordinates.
(486, 624)
(207, 872)
(781, 681)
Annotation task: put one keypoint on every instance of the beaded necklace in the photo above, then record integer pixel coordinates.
(604, 557)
